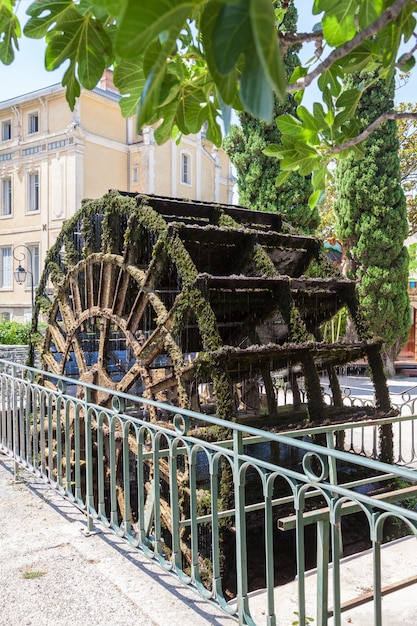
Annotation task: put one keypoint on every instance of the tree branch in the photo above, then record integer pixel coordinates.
(338, 53)
(406, 57)
(391, 115)
(293, 39)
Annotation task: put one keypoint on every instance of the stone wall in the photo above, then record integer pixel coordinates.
(16, 354)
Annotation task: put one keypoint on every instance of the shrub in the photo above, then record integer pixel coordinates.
(14, 333)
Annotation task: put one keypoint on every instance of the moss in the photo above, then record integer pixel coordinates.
(211, 367)
(298, 331)
(226, 221)
(44, 305)
(320, 267)
(313, 388)
(213, 433)
(181, 259)
(71, 252)
(263, 262)
(145, 216)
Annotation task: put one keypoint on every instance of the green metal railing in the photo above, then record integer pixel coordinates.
(209, 501)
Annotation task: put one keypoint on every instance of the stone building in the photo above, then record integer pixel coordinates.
(52, 158)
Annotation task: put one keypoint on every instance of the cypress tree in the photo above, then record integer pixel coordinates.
(256, 173)
(372, 223)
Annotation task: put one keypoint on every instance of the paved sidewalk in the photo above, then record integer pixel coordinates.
(51, 573)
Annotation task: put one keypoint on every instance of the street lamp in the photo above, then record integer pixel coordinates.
(21, 273)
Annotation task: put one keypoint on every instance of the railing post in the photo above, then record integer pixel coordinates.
(15, 425)
(376, 553)
(269, 552)
(89, 499)
(322, 571)
(241, 552)
(337, 552)
(175, 515)
(300, 555)
(214, 488)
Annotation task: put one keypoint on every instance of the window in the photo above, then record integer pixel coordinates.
(6, 196)
(135, 175)
(6, 130)
(185, 169)
(33, 126)
(6, 267)
(33, 192)
(34, 257)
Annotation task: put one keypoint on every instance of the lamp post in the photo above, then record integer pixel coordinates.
(20, 272)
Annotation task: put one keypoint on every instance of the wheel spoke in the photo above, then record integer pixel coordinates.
(153, 346)
(120, 293)
(89, 286)
(57, 336)
(100, 284)
(107, 289)
(103, 342)
(75, 297)
(79, 355)
(137, 312)
(50, 363)
(66, 311)
(130, 378)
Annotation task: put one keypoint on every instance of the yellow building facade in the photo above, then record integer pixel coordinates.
(51, 158)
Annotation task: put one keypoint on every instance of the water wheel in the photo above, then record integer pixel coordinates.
(190, 303)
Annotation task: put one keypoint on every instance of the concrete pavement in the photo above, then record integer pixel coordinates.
(52, 573)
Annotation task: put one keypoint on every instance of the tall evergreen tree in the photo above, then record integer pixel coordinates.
(256, 173)
(372, 223)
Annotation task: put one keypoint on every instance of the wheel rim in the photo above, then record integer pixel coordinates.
(93, 339)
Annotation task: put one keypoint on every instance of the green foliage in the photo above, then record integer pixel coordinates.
(9, 31)
(372, 223)
(14, 333)
(407, 130)
(256, 172)
(72, 32)
(175, 73)
(296, 622)
(30, 575)
(335, 329)
(187, 63)
(412, 264)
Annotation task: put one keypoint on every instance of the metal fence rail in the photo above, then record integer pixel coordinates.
(192, 491)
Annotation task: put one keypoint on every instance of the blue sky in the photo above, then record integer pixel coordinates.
(27, 72)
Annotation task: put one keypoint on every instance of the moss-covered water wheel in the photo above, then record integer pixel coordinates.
(193, 304)
(196, 305)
